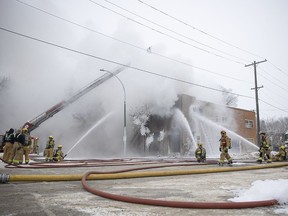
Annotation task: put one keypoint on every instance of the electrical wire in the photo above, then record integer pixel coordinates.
(283, 110)
(273, 77)
(184, 36)
(169, 36)
(279, 69)
(156, 54)
(155, 24)
(130, 44)
(197, 29)
(129, 66)
(117, 63)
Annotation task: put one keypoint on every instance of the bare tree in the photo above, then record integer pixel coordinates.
(275, 128)
(229, 98)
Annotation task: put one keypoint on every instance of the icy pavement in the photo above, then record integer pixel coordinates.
(69, 197)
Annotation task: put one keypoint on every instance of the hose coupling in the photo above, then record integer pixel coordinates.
(4, 178)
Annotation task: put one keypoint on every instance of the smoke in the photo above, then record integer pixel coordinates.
(41, 75)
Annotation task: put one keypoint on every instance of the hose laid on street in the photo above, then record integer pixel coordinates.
(177, 204)
(123, 175)
(182, 204)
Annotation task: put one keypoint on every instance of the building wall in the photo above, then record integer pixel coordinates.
(246, 121)
(242, 122)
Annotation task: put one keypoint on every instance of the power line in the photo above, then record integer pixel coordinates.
(203, 32)
(177, 33)
(272, 99)
(284, 110)
(129, 66)
(130, 44)
(279, 69)
(169, 36)
(273, 77)
(197, 29)
(143, 49)
(117, 63)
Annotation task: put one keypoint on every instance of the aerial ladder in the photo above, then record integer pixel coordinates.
(34, 123)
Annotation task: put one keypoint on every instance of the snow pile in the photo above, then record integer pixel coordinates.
(265, 190)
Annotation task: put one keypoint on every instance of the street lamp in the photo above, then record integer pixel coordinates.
(124, 134)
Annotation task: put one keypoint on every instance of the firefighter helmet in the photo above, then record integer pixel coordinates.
(50, 137)
(282, 147)
(24, 130)
(223, 132)
(262, 132)
(200, 144)
(59, 146)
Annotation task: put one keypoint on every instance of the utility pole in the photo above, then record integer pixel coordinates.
(256, 97)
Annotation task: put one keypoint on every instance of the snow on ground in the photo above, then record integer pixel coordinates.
(265, 190)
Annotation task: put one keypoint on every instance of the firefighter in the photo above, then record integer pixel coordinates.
(58, 155)
(24, 142)
(4, 142)
(49, 150)
(15, 147)
(200, 153)
(265, 148)
(9, 139)
(281, 155)
(35, 145)
(225, 145)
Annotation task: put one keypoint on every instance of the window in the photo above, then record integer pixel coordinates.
(249, 123)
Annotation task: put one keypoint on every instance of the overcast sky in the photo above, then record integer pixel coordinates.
(204, 43)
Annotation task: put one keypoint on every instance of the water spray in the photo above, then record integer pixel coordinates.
(89, 131)
(220, 127)
(184, 123)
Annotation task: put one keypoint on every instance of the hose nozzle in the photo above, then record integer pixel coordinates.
(4, 178)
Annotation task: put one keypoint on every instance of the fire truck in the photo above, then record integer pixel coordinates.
(34, 123)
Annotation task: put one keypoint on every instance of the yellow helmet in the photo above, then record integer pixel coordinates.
(282, 147)
(199, 144)
(50, 137)
(59, 146)
(24, 130)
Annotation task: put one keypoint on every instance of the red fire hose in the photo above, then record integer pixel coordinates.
(176, 204)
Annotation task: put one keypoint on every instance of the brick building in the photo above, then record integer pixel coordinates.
(195, 121)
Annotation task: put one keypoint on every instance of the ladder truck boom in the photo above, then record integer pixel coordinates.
(34, 123)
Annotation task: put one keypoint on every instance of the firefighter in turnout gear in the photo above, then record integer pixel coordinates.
(282, 154)
(225, 145)
(24, 142)
(8, 140)
(58, 155)
(15, 147)
(49, 150)
(200, 153)
(265, 148)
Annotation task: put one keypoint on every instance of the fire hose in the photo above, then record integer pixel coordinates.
(123, 174)
(176, 204)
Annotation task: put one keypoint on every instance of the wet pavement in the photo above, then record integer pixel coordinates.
(63, 198)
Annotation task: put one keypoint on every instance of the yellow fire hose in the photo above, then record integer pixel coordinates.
(176, 204)
(101, 176)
